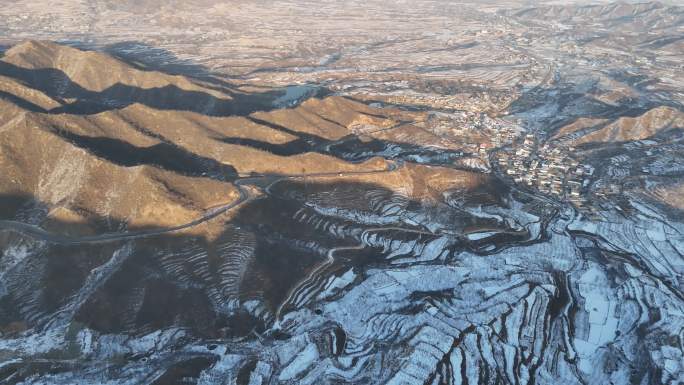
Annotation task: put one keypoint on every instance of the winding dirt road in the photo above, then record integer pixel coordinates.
(244, 196)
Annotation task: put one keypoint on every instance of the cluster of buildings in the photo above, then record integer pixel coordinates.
(452, 102)
(468, 121)
(476, 131)
(549, 169)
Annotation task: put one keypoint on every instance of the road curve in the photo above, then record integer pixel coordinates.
(329, 260)
(244, 195)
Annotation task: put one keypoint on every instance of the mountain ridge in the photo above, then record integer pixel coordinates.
(177, 164)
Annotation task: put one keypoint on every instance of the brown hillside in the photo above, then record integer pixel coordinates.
(144, 163)
(623, 129)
